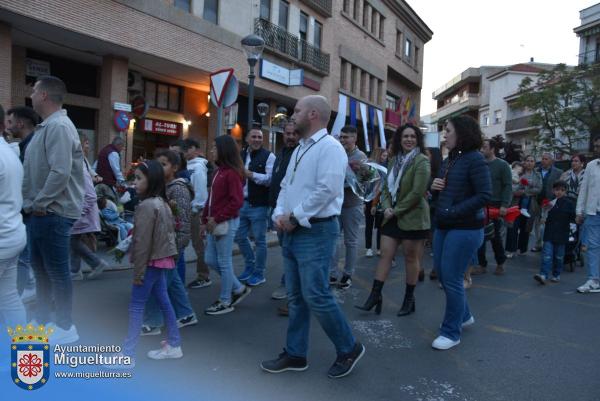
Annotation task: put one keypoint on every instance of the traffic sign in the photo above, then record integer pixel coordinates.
(218, 84)
(230, 96)
(121, 120)
(139, 106)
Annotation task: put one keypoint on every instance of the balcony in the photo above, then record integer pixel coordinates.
(324, 7)
(284, 43)
(590, 57)
(462, 104)
(519, 124)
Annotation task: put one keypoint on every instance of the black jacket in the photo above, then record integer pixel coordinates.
(279, 169)
(468, 189)
(559, 218)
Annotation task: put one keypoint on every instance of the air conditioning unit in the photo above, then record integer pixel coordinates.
(135, 82)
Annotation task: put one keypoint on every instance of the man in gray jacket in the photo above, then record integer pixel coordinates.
(53, 195)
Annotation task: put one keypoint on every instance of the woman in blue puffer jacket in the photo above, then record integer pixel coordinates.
(462, 189)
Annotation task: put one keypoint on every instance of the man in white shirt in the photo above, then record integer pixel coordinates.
(588, 213)
(258, 164)
(307, 212)
(12, 233)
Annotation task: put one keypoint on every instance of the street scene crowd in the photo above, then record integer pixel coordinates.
(316, 194)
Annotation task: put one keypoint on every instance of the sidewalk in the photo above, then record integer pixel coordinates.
(190, 256)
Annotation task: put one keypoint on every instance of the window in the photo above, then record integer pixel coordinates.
(381, 23)
(485, 120)
(211, 11)
(398, 42)
(365, 21)
(346, 6)
(318, 35)
(284, 8)
(355, 11)
(303, 25)
(353, 72)
(416, 60)
(265, 9)
(497, 116)
(163, 96)
(185, 5)
(407, 49)
(343, 75)
(364, 82)
(374, 20)
(373, 89)
(391, 102)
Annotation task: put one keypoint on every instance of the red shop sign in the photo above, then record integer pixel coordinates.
(162, 127)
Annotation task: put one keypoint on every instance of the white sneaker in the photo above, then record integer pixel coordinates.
(77, 276)
(28, 295)
(444, 343)
(97, 271)
(525, 213)
(62, 336)
(469, 322)
(165, 352)
(592, 285)
(369, 253)
(280, 293)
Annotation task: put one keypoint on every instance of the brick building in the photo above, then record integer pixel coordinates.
(110, 51)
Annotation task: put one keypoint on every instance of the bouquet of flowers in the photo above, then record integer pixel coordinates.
(524, 182)
(365, 179)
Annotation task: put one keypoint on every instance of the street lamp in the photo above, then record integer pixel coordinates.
(253, 46)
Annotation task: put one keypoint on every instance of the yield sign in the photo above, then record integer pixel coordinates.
(218, 83)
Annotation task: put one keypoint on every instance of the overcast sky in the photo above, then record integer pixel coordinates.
(471, 33)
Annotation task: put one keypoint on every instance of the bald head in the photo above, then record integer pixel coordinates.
(311, 114)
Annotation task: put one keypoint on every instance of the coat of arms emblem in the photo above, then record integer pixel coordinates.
(30, 356)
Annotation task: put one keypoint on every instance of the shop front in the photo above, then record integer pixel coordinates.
(151, 135)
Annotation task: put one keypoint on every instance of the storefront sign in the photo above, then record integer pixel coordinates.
(162, 127)
(122, 107)
(121, 120)
(36, 68)
(279, 74)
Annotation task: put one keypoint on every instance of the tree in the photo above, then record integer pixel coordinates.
(566, 106)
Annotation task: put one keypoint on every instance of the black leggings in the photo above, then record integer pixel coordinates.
(373, 222)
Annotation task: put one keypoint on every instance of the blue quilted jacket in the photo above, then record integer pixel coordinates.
(468, 188)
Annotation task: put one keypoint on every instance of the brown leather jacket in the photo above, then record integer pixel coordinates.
(153, 235)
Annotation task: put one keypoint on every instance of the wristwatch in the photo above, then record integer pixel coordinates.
(293, 220)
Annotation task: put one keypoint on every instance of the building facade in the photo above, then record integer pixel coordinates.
(158, 56)
(589, 35)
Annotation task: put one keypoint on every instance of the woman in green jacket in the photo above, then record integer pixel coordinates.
(406, 218)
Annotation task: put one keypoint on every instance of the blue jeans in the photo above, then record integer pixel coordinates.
(50, 259)
(218, 255)
(155, 283)
(553, 256)
(24, 275)
(452, 251)
(350, 219)
(307, 255)
(591, 227)
(181, 266)
(178, 297)
(255, 219)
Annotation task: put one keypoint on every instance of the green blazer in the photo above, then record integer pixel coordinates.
(411, 209)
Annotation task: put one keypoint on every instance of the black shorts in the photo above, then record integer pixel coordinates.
(391, 229)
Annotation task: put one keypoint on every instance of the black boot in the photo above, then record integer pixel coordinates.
(375, 298)
(408, 306)
(422, 275)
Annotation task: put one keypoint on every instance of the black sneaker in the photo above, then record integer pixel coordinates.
(237, 298)
(187, 321)
(283, 363)
(345, 282)
(200, 283)
(344, 364)
(333, 281)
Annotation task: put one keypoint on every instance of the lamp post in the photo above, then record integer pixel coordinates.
(253, 46)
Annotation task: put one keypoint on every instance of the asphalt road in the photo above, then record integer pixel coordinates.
(529, 342)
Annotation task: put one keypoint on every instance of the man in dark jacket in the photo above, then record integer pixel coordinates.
(258, 167)
(501, 196)
(108, 165)
(550, 175)
(290, 140)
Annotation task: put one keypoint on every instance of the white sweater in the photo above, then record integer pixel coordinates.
(588, 201)
(13, 236)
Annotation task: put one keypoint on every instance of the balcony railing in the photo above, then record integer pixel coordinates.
(322, 6)
(520, 123)
(277, 38)
(590, 57)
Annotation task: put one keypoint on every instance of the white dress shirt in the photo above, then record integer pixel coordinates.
(316, 188)
(258, 178)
